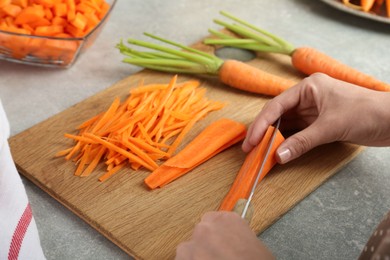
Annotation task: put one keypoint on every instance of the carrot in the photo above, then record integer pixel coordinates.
(388, 7)
(305, 59)
(367, 5)
(44, 18)
(141, 130)
(246, 177)
(232, 73)
(215, 138)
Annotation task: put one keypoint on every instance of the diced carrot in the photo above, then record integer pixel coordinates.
(57, 20)
(12, 10)
(71, 9)
(48, 14)
(82, 7)
(60, 9)
(21, 3)
(4, 3)
(75, 32)
(29, 14)
(104, 10)
(49, 30)
(80, 21)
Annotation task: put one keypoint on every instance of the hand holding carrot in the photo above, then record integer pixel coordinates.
(324, 110)
(223, 235)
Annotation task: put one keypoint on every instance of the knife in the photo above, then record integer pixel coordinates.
(243, 206)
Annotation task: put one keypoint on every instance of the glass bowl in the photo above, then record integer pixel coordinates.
(55, 52)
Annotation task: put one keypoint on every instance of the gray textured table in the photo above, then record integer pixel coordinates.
(334, 222)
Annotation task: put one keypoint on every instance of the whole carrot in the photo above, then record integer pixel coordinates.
(189, 60)
(305, 59)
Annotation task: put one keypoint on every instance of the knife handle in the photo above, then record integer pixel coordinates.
(239, 208)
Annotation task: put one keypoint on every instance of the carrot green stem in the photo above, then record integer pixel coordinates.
(183, 60)
(251, 37)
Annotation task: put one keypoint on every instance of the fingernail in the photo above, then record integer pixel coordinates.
(284, 155)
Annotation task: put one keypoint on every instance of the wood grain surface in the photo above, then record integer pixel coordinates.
(149, 224)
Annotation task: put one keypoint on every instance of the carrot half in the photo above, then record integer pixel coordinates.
(246, 177)
(141, 130)
(191, 61)
(212, 140)
(305, 59)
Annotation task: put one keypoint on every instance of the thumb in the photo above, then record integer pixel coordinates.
(300, 143)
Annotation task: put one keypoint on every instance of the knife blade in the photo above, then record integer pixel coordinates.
(245, 203)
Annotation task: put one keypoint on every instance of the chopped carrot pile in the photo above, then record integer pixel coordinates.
(212, 140)
(57, 18)
(246, 177)
(60, 19)
(146, 127)
(378, 7)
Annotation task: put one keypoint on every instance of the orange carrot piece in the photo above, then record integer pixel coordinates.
(246, 177)
(94, 162)
(4, 3)
(29, 14)
(21, 3)
(190, 124)
(212, 140)
(122, 151)
(60, 9)
(121, 128)
(255, 80)
(80, 21)
(388, 7)
(309, 60)
(49, 30)
(367, 5)
(83, 161)
(12, 10)
(111, 172)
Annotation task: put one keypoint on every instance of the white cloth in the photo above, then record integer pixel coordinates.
(18, 232)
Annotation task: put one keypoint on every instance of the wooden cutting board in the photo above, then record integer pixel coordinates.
(149, 224)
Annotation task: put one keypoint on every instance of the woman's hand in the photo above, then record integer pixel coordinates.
(324, 110)
(223, 235)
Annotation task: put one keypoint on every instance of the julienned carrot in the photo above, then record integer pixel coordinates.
(305, 59)
(212, 140)
(230, 72)
(246, 177)
(141, 130)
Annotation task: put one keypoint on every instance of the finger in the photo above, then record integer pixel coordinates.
(274, 109)
(301, 142)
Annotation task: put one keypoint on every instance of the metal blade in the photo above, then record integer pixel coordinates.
(243, 214)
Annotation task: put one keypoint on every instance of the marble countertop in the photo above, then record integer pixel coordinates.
(333, 222)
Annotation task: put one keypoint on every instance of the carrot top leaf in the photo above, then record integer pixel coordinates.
(253, 38)
(163, 58)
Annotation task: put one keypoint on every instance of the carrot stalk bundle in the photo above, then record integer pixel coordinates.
(305, 59)
(140, 130)
(212, 140)
(246, 177)
(191, 61)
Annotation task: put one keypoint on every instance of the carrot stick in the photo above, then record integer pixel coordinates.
(122, 151)
(213, 139)
(119, 133)
(304, 59)
(111, 172)
(243, 183)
